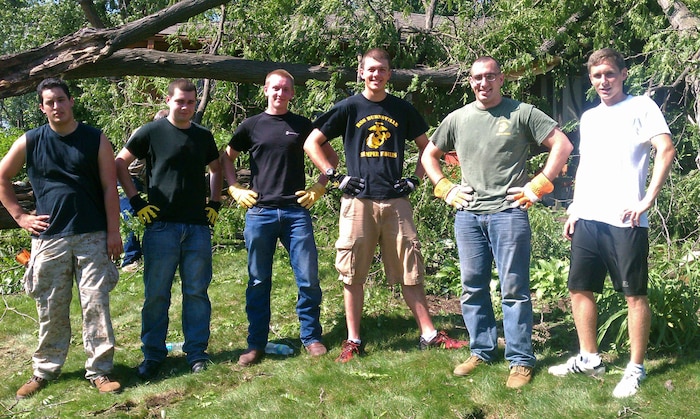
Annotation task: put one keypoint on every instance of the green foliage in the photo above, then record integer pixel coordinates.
(548, 280)
(677, 211)
(7, 138)
(672, 294)
(547, 225)
(11, 272)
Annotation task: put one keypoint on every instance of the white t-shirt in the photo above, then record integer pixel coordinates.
(614, 148)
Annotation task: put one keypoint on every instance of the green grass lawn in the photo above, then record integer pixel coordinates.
(393, 380)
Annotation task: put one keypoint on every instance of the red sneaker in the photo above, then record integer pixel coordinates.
(348, 350)
(443, 341)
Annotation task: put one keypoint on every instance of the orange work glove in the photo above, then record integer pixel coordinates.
(532, 192)
(455, 195)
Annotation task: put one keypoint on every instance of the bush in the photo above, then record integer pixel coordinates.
(11, 242)
(547, 241)
(673, 291)
(548, 280)
(676, 213)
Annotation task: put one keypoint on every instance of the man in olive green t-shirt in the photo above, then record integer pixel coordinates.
(492, 137)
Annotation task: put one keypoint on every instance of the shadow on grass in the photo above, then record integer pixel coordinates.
(391, 331)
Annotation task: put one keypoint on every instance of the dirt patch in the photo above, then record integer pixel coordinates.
(164, 399)
(440, 304)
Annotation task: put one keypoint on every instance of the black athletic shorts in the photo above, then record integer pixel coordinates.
(599, 248)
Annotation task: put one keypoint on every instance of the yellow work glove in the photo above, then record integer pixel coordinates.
(246, 198)
(455, 195)
(532, 192)
(308, 197)
(146, 212)
(212, 211)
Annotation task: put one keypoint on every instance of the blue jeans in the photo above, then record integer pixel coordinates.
(292, 226)
(132, 247)
(169, 246)
(505, 238)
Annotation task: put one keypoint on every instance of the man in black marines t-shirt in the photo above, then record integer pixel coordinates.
(375, 209)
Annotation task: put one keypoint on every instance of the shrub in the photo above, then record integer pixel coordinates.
(676, 213)
(548, 280)
(673, 290)
(547, 241)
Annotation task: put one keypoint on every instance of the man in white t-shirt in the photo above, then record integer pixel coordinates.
(607, 224)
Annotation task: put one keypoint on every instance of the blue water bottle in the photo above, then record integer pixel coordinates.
(278, 349)
(174, 346)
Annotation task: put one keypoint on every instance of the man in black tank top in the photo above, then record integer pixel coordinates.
(75, 235)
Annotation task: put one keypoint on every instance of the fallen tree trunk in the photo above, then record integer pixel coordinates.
(19, 73)
(142, 62)
(25, 196)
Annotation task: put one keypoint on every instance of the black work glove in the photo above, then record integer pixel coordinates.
(406, 185)
(348, 184)
(146, 212)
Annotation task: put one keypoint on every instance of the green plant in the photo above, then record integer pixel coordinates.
(676, 213)
(442, 261)
(11, 273)
(672, 294)
(548, 279)
(547, 240)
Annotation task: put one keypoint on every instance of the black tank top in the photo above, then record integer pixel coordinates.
(65, 176)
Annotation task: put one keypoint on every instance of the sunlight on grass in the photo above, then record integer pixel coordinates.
(393, 380)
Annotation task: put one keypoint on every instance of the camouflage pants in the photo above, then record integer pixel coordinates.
(49, 278)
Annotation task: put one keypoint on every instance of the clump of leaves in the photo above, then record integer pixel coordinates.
(548, 280)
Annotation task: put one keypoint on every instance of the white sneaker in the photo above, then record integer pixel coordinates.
(629, 384)
(575, 365)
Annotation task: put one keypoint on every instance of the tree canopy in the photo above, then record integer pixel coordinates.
(542, 45)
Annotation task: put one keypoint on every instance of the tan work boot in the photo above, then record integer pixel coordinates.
(105, 385)
(468, 366)
(519, 376)
(30, 387)
(316, 349)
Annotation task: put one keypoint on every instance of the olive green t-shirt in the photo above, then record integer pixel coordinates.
(493, 146)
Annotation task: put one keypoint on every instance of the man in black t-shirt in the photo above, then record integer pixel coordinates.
(375, 209)
(278, 208)
(177, 152)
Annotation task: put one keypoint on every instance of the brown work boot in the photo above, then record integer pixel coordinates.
(30, 387)
(105, 385)
(250, 356)
(316, 349)
(468, 366)
(519, 376)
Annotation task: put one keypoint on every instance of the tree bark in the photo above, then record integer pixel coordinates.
(142, 62)
(91, 14)
(25, 196)
(21, 72)
(213, 49)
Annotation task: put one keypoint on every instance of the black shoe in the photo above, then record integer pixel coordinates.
(148, 369)
(199, 366)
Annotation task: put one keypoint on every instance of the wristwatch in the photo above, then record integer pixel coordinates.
(331, 173)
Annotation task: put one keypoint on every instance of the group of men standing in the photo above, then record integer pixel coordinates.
(75, 233)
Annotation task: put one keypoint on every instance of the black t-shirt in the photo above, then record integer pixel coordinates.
(65, 177)
(176, 161)
(276, 145)
(374, 137)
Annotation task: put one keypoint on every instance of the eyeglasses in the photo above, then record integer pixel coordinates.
(488, 77)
